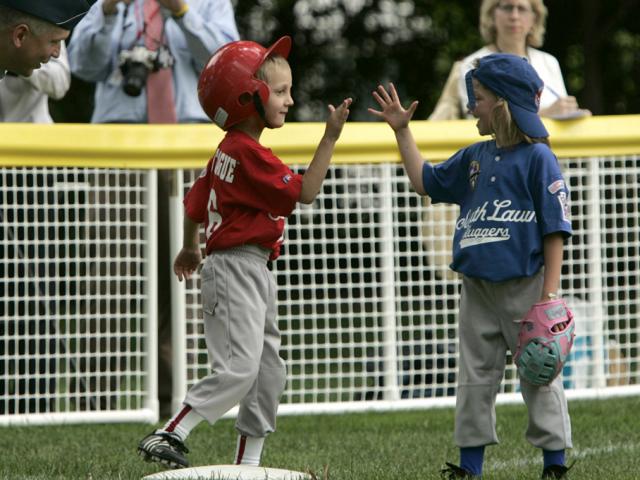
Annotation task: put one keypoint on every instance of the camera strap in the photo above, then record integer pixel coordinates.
(142, 27)
(160, 88)
(154, 37)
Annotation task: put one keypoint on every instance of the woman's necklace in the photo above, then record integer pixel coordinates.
(526, 55)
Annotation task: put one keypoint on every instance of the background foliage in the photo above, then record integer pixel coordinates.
(346, 47)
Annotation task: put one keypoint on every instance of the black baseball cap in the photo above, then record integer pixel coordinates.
(512, 77)
(64, 13)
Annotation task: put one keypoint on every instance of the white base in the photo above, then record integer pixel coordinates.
(229, 472)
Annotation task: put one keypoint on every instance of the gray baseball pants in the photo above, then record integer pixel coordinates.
(489, 323)
(241, 330)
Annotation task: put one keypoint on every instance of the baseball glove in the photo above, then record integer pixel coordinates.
(541, 351)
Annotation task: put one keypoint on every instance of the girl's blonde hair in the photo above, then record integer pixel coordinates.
(535, 38)
(505, 129)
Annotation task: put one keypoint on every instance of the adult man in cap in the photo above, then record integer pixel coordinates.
(31, 31)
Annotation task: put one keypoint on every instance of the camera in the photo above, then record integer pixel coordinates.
(137, 63)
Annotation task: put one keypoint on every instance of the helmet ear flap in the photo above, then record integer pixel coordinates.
(245, 98)
(263, 91)
(259, 97)
(254, 102)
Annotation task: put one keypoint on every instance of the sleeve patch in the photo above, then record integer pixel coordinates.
(564, 204)
(556, 186)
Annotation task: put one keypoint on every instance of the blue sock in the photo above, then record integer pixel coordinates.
(471, 459)
(553, 457)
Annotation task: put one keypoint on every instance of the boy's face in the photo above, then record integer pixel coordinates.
(485, 103)
(280, 82)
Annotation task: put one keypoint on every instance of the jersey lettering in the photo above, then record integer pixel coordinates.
(480, 235)
(224, 167)
(500, 214)
(520, 216)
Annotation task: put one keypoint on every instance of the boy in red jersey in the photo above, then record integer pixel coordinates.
(242, 197)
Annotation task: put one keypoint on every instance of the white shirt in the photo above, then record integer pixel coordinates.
(545, 65)
(26, 99)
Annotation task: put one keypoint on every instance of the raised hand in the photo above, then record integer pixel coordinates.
(337, 118)
(392, 110)
(109, 7)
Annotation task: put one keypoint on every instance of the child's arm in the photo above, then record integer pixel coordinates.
(398, 119)
(317, 169)
(553, 245)
(189, 257)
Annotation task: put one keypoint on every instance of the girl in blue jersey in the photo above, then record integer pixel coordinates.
(508, 246)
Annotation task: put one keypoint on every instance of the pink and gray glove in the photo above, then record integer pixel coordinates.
(542, 349)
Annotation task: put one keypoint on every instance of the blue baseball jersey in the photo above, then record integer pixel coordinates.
(509, 199)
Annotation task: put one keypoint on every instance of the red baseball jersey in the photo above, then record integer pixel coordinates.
(243, 196)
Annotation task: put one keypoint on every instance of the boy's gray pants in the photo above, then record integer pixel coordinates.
(241, 331)
(489, 323)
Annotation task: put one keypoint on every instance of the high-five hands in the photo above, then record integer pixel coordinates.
(337, 117)
(392, 110)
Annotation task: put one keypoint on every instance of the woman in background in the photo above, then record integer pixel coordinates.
(516, 27)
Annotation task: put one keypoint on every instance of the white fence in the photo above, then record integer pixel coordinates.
(367, 305)
(77, 295)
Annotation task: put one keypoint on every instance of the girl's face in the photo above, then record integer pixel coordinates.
(485, 103)
(280, 82)
(514, 19)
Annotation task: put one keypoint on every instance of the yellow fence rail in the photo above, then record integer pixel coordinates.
(190, 146)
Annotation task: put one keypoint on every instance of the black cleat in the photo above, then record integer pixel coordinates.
(164, 448)
(556, 471)
(451, 472)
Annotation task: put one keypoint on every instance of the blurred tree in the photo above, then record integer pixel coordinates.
(346, 47)
(598, 45)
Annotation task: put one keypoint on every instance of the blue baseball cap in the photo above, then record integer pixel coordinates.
(512, 78)
(64, 13)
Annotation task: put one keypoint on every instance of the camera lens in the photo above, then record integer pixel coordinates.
(135, 78)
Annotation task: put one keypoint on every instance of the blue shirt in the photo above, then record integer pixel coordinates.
(98, 39)
(509, 199)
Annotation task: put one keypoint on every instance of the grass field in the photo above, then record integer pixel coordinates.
(368, 446)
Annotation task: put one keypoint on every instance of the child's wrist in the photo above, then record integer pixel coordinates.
(330, 137)
(548, 296)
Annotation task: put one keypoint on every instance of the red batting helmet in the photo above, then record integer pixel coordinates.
(228, 83)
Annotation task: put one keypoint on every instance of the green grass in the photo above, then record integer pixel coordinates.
(367, 446)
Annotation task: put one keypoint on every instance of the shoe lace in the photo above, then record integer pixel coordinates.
(175, 443)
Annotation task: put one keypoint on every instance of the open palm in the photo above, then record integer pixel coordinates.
(392, 110)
